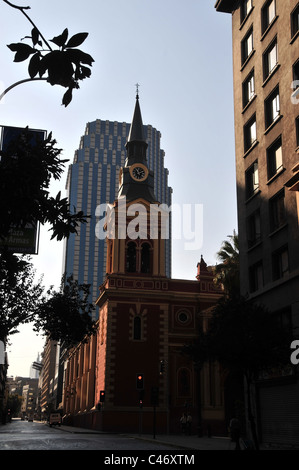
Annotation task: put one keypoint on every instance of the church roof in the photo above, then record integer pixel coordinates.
(136, 130)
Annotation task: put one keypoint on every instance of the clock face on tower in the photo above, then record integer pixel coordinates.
(139, 172)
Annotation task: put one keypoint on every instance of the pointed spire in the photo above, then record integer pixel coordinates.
(136, 131)
(136, 147)
(136, 143)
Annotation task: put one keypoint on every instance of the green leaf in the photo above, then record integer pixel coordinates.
(77, 57)
(60, 69)
(67, 97)
(61, 40)
(82, 72)
(13, 47)
(23, 51)
(76, 40)
(34, 65)
(35, 36)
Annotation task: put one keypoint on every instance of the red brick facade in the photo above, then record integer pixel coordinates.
(144, 321)
(169, 312)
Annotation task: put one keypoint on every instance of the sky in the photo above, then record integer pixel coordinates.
(181, 55)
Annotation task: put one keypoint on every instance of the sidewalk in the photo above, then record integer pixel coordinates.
(190, 442)
(181, 441)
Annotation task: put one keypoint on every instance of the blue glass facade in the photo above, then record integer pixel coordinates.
(93, 180)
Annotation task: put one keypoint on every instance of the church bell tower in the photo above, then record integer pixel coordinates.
(134, 364)
(138, 244)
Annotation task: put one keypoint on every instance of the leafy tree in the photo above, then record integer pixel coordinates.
(26, 169)
(228, 270)
(14, 403)
(246, 337)
(64, 315)
(198, 352)
(65, 66)
(67, 314)
(20, 295)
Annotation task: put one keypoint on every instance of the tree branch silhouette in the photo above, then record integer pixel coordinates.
(65, 66)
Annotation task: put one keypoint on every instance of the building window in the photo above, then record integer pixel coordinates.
(296, 75)
(247, 46)
(297, 130)
(295, 21)
(272, 108)
(256, 281)
(280, 263)
(145, 258)
(277, 211)
(270, 58)
(284, 320)
(254, 229)
(252, 180)
(248, 88)
(131, 258)
(246, 6)
(268, 14)
(184, 317)
(274, 158)
(110, 256)
(137, 328)
(249, 133)
(184, 383)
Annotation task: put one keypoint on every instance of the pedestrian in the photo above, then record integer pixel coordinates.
(189, 423)
(235, 432)
(183, 422)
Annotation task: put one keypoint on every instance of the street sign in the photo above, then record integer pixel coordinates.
(22, 240)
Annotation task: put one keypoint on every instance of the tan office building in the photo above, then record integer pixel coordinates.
(266, 106)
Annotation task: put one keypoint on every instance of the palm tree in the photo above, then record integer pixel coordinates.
(227, 272)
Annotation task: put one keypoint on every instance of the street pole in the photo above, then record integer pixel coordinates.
(154, 425)
(140, 414)
(154, 402)
(167, 396)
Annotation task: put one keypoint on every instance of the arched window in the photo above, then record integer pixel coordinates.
(137, 327)
(110, 258)
(184, 385)
(145, 258)
(131, 258)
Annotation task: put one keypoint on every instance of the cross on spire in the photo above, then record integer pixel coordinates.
(137, 90)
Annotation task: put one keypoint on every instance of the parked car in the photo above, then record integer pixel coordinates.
(55, 419)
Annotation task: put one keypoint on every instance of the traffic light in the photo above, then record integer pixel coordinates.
(102, 396)
(162, 367)
(139, 382)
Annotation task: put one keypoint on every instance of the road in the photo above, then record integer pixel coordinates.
(24, 435)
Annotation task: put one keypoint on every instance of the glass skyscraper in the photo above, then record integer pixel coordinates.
(93, 180)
